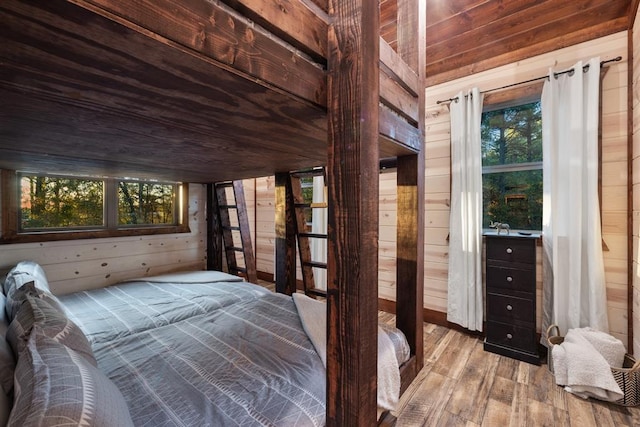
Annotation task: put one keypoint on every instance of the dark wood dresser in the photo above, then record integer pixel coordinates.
(511, 296)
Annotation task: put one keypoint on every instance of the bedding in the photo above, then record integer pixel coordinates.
(203, 349)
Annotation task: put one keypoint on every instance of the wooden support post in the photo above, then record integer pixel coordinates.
(214, 231)
(353, 185)
(285, 236)
(411, 171)
(410, 253)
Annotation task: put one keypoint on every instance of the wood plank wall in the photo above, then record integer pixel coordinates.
(75, 265)
(614, 167)
(635, 181)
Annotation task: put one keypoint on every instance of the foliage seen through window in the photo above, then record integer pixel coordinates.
(70, 203)
(512, 166)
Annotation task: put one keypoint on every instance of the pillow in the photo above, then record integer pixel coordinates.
(54, 385)
(25, 272)
(34, 270)
(53, 323)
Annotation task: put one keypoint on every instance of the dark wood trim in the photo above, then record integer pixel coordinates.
(285, 246)
(214, 231)
(353, 197)
(430, 316)
(8, 205)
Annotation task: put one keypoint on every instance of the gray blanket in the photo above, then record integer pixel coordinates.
(206, 353)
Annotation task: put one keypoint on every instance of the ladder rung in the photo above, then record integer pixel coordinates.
(315, 264)
(311, 205)
(313, 235)
(230, 227)
(228, 206)
(240, 269)
(234, 248)
(318, 292)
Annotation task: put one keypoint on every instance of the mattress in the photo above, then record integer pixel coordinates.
(206, 352)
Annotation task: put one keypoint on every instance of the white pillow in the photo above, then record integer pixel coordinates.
(25, 275)
(34, 270)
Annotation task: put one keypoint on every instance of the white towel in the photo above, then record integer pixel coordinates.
(583, 363)
(313, 314)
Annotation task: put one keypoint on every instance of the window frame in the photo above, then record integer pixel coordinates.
(10, 214)
(505, 99)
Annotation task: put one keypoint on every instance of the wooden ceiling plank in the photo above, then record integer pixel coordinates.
(548, 19)
(476, 17)
(451, 70)
(442, 10)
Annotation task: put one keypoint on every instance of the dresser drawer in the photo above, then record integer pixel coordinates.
(511, 279)
(510, 309)
(512, 249)
(512, 336)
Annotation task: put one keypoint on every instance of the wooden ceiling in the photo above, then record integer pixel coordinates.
(468, 36)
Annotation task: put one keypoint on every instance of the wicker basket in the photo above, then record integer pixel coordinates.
(627, 377)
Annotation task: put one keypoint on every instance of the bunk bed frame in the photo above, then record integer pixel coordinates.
(172, 90)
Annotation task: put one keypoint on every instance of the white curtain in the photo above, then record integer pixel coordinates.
(574, 290)
(319, 225)
(464, 298)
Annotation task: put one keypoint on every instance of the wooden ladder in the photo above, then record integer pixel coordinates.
(303, 235)
(234, 223)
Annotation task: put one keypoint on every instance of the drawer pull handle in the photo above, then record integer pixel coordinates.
(509, 250)
(509, 307)
(509, 279)
(509, 336)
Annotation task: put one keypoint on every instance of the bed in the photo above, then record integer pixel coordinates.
(185, 349)
(172, 90)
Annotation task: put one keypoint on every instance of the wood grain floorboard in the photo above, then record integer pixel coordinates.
(462, 385)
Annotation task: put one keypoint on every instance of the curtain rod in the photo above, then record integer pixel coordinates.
(584, 69)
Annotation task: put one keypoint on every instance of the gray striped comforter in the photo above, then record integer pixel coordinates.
(220, 352)
(204, 354)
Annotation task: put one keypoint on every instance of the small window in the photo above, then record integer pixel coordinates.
(54, 203)
(41, 207)
(144, 203)
(512, 166)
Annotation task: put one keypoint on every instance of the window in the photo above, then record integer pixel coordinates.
(40, 207)
(512, 166)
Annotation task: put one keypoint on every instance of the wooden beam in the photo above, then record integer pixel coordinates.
(214, 232)
(410, 194)
(400, 71)
(353, 182)
(290, 20)
(210, 29)
(285, 236)
(396, 129)
(394, 96)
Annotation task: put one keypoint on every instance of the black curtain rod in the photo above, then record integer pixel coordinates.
(584, 69)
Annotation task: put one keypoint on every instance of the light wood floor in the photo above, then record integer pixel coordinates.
(463, 385)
